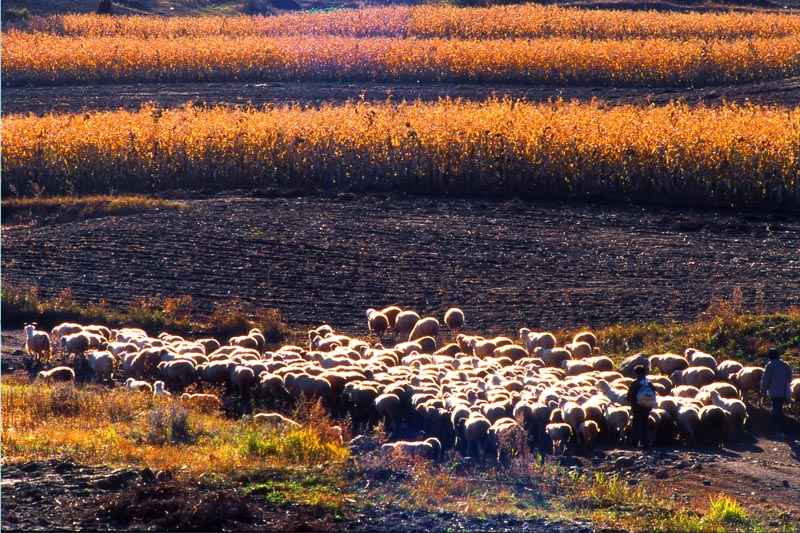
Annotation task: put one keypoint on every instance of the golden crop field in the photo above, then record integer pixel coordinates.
(729, 155)
(513, 44)
(527, 21)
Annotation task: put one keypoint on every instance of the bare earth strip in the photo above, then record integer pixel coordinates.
(508, 263)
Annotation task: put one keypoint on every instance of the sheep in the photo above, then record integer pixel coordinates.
(626, 367)
(100, 331)
(667, 363)
(794, 389)
(391, 313)
(276, 422)
(725, 390)
(727, 369)
(241, 378)
(587, 337)
(617, 423)
(532, 340)
(590, 434)
(698, 358)
(159, 390)
(574, 415)
(429, 448)
(476, 431)
(697, 376)
(65, 328)
(685, 391)
(688, 422)
(736, 410)
(553, 357)
(102, 364)
(387, 407)
(601, 363)
(560, 434)
(481, 347)
(177, 373)
(425, 327)
(37, 343)
(244, 341)
(136, 385)
(748, 379)
(579, 349)
(454, 318)
(508, 438)
(378, 323)
(73, 343)
(514, 352)
(712, 424)
(576, 367)
(405, 322)
(58, 373)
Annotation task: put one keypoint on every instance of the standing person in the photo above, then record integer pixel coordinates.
(642, 398)
(775, 384)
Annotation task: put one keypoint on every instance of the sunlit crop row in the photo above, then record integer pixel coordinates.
(36, 59)
(499, 22)
(675, 154)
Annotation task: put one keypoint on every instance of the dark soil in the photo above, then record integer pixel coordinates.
(72, 99)
(507, 263)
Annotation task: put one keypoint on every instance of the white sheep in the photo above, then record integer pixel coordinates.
(579, 349)
(667, 363)
(59, 373)
(532, 340)
(159, 390)
(698, 358)
(748, 379)
(794, 389)
(587, 337)
(425, 327)
(102, 364)
(37, 343)
(429, 448)
(405, 322)
(137, 385)
(65, 328)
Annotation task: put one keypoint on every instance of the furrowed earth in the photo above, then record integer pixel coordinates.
(326, 257)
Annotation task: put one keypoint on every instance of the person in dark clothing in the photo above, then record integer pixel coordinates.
(775, 384)
(640, 407)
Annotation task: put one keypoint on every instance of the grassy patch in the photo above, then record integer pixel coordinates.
(20, 306)
(62, 209)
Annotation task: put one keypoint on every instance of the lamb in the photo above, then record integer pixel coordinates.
(37, 343)
(560, 434)
(102, 364)
(59, 373)
(275, 421)
(378, 323)
(425, 327)
(136, 385)
(158, 389)
(454, 318)
(429, 448)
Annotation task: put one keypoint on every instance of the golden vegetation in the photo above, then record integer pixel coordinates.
(728, 155)
(522, 44)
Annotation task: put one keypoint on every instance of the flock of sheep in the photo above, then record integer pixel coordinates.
(494, 397)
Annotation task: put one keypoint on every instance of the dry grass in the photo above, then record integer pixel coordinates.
(46, 210)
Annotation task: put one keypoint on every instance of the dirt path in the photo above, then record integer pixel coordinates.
(73, 99)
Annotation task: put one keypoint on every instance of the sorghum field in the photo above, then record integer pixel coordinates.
(629, 171)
